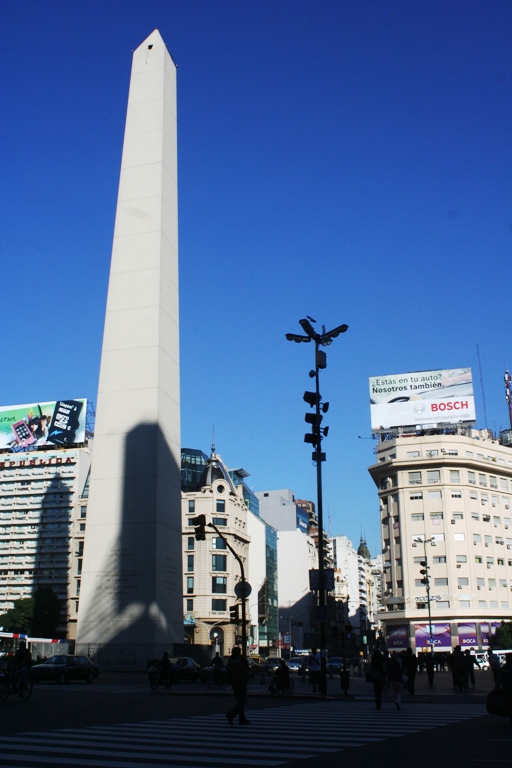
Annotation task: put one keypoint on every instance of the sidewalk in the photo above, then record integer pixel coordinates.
(360, 690)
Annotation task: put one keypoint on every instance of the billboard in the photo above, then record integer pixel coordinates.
(422, 399)
(25, 428)
(441, 637)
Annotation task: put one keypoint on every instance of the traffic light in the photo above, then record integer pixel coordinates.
(199, 523)
(234, 614)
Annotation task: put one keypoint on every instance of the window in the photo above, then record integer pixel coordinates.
(218, 605)
(416, 496)
(486, 518)
(191, 506)
(439, 559)
(482, 604)
(475, 516)
(461, 559)
(219, 585)
(81, 527)
(83, 512)
(413, 454)
(190, 562)
(492, 583)
(417, 516)
(480, 583)
(493, 481)
(436, 515)
(456, 494)
(463, 581)
(219, 562)
(458, 516)
(442, 604)
(190, 585)
(418, 583)
(434, 494)
(482, 480)
(190, 542)
(441, 582)
(488, 541)
(472, 478)
(220, 521)
(496, 521)
(218, 543)
(220, 505)
(190, 604)
(465, 603)
(433, 476)
(414, 478)
(454, 476)
(478, 559)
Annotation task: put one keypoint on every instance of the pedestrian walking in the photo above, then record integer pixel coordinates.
(238, 675)
(396, 678)
(470, 660)
(315, 666)
(430, 667)
(458, 667)
(495, 666)
(377, 676)
(411, 667)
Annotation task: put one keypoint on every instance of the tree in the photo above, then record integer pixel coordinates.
(19, 617)
(503, 637)
(47, 612)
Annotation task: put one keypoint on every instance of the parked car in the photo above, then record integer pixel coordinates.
(64, 668)
(184, 668)
(270, 665)
(334, 664)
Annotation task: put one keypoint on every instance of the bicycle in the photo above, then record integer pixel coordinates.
(159, 677)
(216, 679)
(22, 686)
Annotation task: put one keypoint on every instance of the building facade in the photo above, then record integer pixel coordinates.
(43, 515)
(445, 514)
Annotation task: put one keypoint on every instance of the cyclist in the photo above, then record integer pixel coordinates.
(21, 661)
(282, 677)
(164, 667)
(218, 666)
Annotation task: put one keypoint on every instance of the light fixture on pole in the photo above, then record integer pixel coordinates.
(315, 437)
(425, 572)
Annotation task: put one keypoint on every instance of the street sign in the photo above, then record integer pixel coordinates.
(239, 589)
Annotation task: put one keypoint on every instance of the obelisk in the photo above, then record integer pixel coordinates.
(130, 594)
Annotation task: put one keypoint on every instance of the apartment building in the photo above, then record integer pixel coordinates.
(43, 510)
(445, 515)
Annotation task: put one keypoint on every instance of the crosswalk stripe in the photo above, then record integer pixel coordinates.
(275, 736)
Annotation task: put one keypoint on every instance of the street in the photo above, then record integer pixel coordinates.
(118, 722)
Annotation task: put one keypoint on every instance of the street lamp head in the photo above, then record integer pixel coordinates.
(295, 337)
(308, 329)
(326, 338)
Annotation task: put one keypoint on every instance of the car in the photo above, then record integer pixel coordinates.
(481, 659)
(296, 663)
(63, 668)
(184, 668)
(271, 664)
(335, 663)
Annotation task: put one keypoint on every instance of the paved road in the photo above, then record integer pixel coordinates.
(121, 724)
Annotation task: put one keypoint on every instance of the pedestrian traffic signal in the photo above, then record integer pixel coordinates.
(199, 524)
(234, 614)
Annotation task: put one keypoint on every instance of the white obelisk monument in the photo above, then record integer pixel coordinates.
(130, 594)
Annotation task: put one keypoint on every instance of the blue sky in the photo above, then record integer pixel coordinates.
(346, 160)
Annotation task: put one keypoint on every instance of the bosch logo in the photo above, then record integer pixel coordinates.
(450, 405)
(419, 408)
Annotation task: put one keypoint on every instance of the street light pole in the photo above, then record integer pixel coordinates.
(315, 439)
(426, 580)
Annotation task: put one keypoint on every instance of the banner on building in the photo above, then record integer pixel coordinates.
(441, 637)
(488, 630)
(467, 635)
(398, 637)
(25, 428)
(421, 399)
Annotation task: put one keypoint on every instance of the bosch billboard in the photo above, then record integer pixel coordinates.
(422, 399)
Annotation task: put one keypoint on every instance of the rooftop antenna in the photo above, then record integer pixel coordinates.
(482, 385)
(508, 394)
